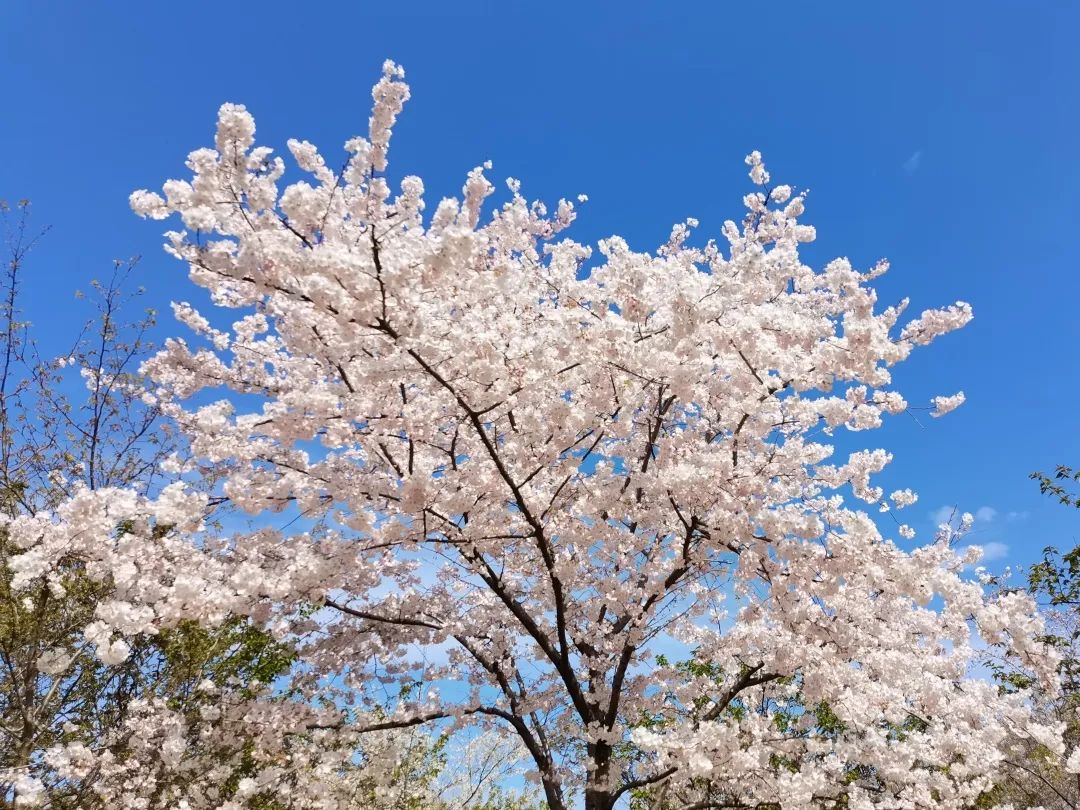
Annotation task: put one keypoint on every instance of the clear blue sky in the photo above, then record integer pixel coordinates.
(942, 136)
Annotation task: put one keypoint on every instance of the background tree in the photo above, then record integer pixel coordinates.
(1035, 777)
(54, 439)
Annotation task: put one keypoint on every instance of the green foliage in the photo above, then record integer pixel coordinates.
(1055, 485)
(1056, 578)
(235, 651)
(826, 720)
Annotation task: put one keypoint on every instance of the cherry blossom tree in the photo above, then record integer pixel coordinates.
(514, 472)
(1034, 776)
(55, 694)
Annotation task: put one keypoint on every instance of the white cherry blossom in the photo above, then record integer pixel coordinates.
(535, 466)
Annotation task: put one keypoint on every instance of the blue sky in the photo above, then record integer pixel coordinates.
(942, 136)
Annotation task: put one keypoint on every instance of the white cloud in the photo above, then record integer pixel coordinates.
(1014, 517)
(946, 514)
(911, 165)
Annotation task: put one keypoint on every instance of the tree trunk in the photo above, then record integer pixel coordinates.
(598, 800)
(552, 793)
(599, 791)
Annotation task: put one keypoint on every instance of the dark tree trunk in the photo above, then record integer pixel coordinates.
(599, 791)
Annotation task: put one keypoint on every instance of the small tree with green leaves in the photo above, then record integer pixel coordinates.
(55, 437)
